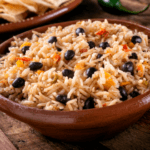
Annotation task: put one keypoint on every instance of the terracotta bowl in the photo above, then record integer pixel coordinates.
(82, 125)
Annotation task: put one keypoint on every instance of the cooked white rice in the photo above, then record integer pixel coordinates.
(43, 86)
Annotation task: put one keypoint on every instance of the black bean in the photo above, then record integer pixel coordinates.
(134, 94)
(133, 56)
(52, 39)
(99, 56)
(90, 71)
(68, 73)
(123, 93)
(104, 45)
(89, 103)
(37, 35)
(24, 49)
(91, 44)
(136, 39)
(12, 46)
(79, 30)
(7, 51)
(18, 82)
(58, 49)
(62, 99)
(69, 54)
(128, 67)
(35, 66)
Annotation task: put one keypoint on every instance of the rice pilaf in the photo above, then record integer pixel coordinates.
(81, 66)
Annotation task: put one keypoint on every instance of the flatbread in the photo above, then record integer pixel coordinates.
(57, 3)
(13, 9)
(15, 2)
(32, 6)
(45, 3)
(1, 10)
(42, 9)
(29, 4)
(16, 10)
(11, 18)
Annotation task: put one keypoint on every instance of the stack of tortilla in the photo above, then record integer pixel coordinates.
(17, 10)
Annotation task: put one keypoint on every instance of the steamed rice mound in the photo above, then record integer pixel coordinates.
(121, 67)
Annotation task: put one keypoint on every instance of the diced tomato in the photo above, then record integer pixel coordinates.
(125, 48)
(24, 58)
(83, 50)
(103, 32)
(56, 57)
(104, 104)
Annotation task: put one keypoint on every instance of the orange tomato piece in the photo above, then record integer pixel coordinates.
(140, 69)
(39, 71)
(25, 44)
(56, 57)
(107, 75)
(19, 63)
(108, 84)
(125, 83)
(79, 66)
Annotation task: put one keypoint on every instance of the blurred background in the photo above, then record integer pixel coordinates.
(91, 9)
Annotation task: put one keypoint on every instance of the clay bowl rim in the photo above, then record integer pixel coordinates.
(39, 19)
(139, 101)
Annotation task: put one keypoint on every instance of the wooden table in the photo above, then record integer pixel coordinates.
(17, 135)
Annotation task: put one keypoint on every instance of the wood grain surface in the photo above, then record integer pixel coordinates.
(5, 143)
(136, 137)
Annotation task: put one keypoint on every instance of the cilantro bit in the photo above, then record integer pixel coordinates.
(55, 78)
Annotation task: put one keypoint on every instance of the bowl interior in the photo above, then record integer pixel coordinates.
(109, 119)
